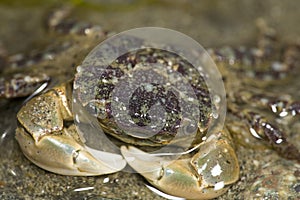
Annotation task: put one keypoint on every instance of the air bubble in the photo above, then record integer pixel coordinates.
(117, 108)
(215, 115)
(217, 99)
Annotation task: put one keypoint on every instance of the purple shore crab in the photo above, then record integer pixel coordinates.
(48, 137)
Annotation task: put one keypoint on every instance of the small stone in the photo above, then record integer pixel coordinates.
(297, 173)
(297, 188)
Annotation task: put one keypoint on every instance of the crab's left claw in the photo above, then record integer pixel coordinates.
(204, 176)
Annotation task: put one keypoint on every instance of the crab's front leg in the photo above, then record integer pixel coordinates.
(262, 129)
(21, 84)
(205, 175)
(48, 137)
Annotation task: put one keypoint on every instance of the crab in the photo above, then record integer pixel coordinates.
(49, 138)
(47, 127)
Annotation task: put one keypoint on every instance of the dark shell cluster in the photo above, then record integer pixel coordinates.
(143, 91)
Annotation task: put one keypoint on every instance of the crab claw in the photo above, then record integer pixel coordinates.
(49, 138)
(62, 155)
(204, 176)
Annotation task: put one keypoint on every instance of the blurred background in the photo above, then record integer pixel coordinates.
(212, 23)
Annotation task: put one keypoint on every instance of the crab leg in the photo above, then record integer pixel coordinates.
(21, 84)
(205, 175)
(262, 129)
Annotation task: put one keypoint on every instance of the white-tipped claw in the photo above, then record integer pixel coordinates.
(62, 155)
(177, 178)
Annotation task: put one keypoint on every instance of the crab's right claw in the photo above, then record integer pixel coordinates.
(62, 155)
(49, 138)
